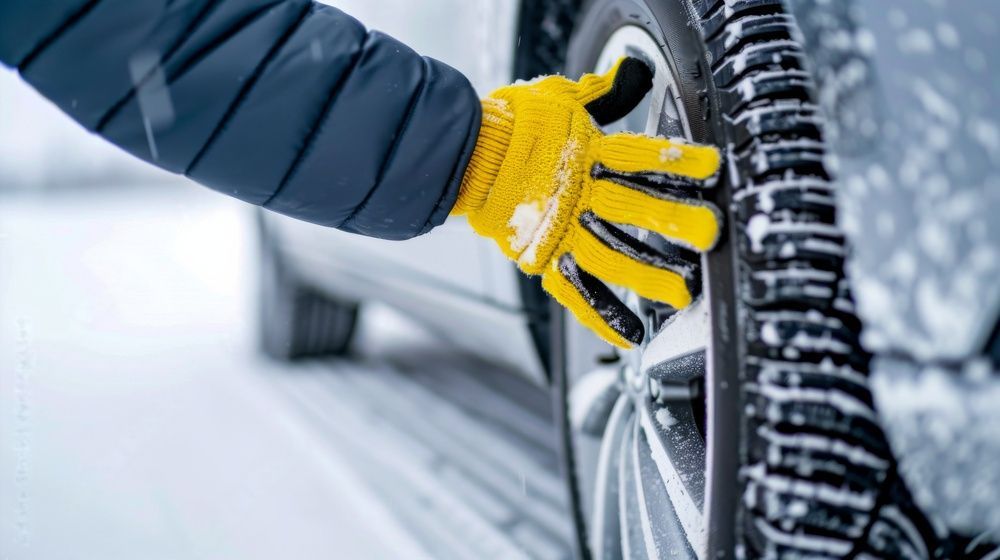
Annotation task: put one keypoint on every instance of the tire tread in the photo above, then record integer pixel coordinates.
(818, 479)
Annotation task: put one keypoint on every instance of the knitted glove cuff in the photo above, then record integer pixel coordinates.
(488, 156)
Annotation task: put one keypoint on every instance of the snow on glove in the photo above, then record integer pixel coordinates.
(547, 185)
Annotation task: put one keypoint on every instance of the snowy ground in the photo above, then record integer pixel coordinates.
(137, 421)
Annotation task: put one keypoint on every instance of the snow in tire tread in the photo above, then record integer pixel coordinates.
(818, 480)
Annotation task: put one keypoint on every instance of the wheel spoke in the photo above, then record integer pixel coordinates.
(630, 518)
(664, 535)
(605, 541)
(684, 335)
(680, 370)
(678, 451)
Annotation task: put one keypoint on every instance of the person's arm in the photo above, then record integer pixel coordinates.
(286, 104)
(296, 107)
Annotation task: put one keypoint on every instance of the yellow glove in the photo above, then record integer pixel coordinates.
(546, 184)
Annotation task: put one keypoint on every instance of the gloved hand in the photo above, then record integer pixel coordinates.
(547, 184)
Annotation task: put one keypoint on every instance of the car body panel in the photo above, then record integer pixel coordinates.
(344, 269)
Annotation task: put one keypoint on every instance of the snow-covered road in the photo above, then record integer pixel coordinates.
(137, 421)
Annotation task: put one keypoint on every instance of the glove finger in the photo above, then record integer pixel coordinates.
(690, 222)
(592, 303)
(616, 257)
(626, 152)
(611, 96)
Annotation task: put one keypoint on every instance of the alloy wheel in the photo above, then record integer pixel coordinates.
(636, 420)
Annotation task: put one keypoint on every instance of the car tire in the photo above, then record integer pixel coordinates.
(798, 465)
(296, 321)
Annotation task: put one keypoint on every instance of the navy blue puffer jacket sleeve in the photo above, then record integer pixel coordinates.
(287, 104)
